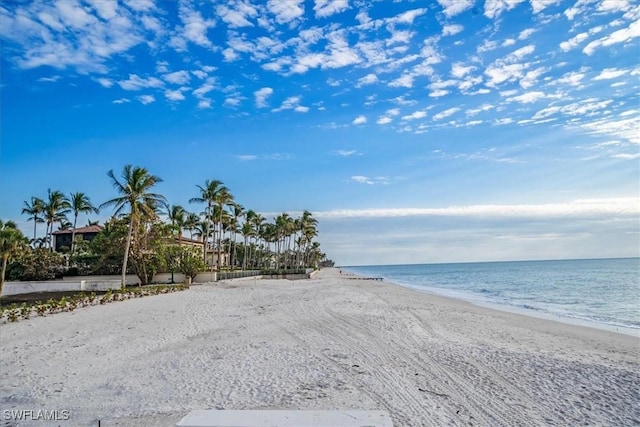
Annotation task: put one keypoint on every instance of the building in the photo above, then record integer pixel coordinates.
(62, 238)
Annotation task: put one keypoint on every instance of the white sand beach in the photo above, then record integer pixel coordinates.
(332, 342)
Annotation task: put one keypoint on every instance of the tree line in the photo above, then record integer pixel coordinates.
(143, 223)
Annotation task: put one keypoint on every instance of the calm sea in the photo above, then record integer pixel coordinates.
(598, 291)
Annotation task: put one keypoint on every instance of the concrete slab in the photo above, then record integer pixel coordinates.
(281, 418)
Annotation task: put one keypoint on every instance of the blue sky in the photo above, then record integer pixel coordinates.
(444, 131)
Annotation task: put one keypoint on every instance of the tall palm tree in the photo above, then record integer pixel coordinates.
(258, 222)
(281, 229)
(308, 231)
(11, 240)
(56, 208)
(208, 195)
(237, 213)
(134, 190)
(246, 231)
(79, 203)
(222, 199)
(35, 211)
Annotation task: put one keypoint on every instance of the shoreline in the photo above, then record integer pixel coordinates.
(324, 343)
(538, 314)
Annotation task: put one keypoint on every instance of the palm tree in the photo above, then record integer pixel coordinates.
(177, 216)
(79, 203)
(55, 210)
(11, 240)
(208, 195)
(238, 212)
(191, 223)
(34, 210)
(246, 231)
(134, 194)
(308, 231)
(282, 226)
(258, 223)
(222, 199)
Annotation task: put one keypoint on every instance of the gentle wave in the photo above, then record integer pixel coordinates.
(602, 291)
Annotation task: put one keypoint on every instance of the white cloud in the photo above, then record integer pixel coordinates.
(292, 103)
(415, 115)
(237, 14)
(324, 8)
(107, 9)
(528, 98)
(286, 11)
(524, 34)
(360, 179)
(406, 80)
(539, 5)
(453, 29)
(174, 95)
(612, 208)
(384, 120)
(409, 16)
(261, 96)
(135, 82)
(573, 42)
(573, 78)
(494, 8)
(360, 120)
(620, 36)
(438, 93)
(446, 113)
(499, 73)
(146, 99)
(610, 73)
(246, 157)
(455, 7)
(480, 109)
(367, 80)
(347, 153)
(204, 103)
(232, 101)
(458, 70)
(178, 77)
(104, 82)
(121, 101)
(140, 5)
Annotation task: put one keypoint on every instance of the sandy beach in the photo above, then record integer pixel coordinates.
(331, 342)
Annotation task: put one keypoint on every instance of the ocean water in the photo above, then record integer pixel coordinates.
(596, 291)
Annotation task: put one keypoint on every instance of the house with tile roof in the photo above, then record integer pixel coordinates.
(62, 238)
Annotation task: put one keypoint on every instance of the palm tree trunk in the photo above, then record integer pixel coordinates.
(123, 281)
(5, 260)
(73, 235)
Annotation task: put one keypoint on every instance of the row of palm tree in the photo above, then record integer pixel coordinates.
(54, 209)
(286, 243)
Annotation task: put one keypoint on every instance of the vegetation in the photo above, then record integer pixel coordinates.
(12, 241)
(79, 203)
(134, 190)
(146, 235)
(17, 311)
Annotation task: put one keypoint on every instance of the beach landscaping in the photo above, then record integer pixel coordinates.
(146, 236)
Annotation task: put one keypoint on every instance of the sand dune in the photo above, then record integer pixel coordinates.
(324, 343)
